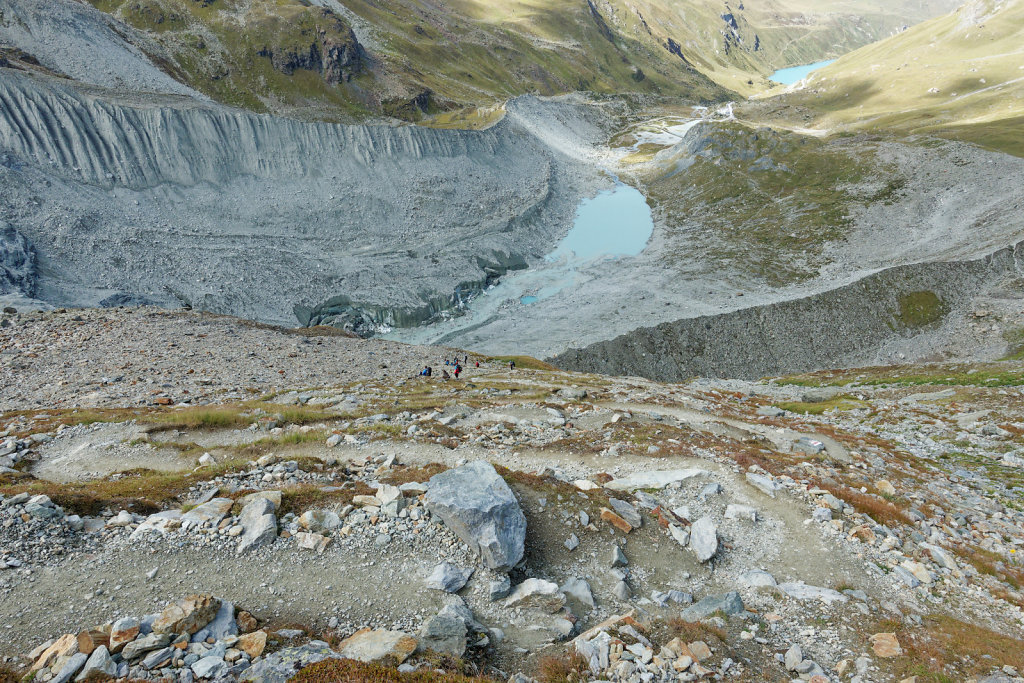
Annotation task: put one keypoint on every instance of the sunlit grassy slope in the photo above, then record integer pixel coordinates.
(960, 75)
(420, 59)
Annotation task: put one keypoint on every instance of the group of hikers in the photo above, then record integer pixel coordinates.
(456, 365)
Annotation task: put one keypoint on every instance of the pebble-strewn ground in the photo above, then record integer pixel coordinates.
(863, 525)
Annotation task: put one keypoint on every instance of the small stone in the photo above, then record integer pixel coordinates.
(886, 645)
(794, 655)
(737, 511)
(618, 557)
(616, 521)
(885, 487)
(579, 590)
(496, 590)
(449, 578)
(537, 593)
(704, 539)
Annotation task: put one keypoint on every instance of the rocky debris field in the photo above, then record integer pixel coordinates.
(526, 525)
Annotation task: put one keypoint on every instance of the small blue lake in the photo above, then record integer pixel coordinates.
(616, 222)
(795, 74)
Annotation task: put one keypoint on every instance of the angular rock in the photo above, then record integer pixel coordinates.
(283, 664)
(537, 593)
(187, 615)
(70, 668)
(727, 603)
(579, 590)
(65, 646)
(448, 578)
(794, 655)
(274, 496)
(92, 638)
(222, 626)
(158, 659)
(252, 643)
(99, 661)
(477, 504)
(123, 632)
(366, 645)
(802, 591)
(618, 557)
(210, 512)
(308, 541)
(209, 667)
(763, 483)
(906, 577)
(616, 521)
(444, 633)
(144, 644)
(626, 512)
(704, 539)
(658, 479)
(757, 578)
(738, 511)
(496, 590)
(259, 526)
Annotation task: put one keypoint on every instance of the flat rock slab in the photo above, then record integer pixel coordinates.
(283, 664)
(211, 511)
(758, 578)
(802, 591)
(727, 603)
(657, 479)
(366, 645)
(886, 645)
(477, 504)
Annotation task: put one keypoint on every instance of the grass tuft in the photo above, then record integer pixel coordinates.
(351, 671)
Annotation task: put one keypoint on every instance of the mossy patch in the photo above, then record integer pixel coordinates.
(921, 308)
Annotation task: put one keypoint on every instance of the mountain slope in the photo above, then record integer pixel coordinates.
(960, 75)
(349, 59)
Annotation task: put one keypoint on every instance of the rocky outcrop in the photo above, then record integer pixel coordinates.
(477, 504)
(18, 267)
(839, 328)
(319, 41)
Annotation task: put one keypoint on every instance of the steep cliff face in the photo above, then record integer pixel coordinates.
(254, 215)
(901, 307)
